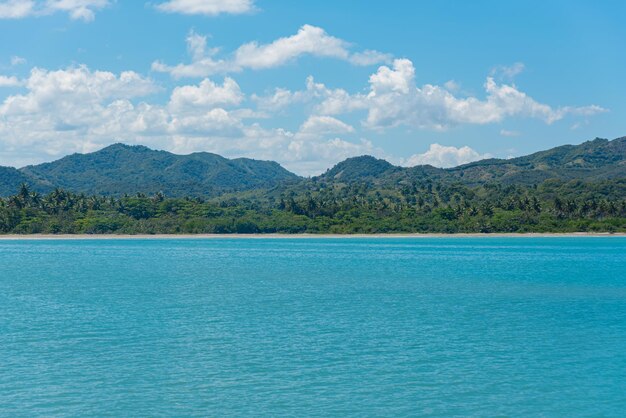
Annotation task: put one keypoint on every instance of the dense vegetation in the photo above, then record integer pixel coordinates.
(133, 190)
(324, 208)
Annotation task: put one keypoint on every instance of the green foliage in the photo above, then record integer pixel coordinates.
(120, 169)
(120, 190)
(322, 207)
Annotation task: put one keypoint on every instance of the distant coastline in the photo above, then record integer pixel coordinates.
(17, 237)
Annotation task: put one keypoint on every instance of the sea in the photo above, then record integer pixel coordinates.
(493, 326)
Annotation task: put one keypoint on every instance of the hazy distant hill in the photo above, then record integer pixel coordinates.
(120, 169)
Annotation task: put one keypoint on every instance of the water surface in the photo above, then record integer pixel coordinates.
(291, 327)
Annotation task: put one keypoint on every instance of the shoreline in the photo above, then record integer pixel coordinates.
(17, 237)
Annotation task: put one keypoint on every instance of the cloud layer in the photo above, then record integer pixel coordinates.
(49, 113)
(80, 110)
(394, 100)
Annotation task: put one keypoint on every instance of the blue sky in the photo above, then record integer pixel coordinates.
(309, 83)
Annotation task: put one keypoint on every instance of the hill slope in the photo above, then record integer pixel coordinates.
(11, 179)
(595, 160)
(120, 169)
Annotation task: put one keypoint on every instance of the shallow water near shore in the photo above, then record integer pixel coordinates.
(359, 326)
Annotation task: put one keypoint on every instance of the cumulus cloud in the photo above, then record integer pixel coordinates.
(80, 110)
(206, 94)
(325, 125)
(207, 7)
(72, 86)
(6, 81)
(329, 101)
(16, 9)
(445, 156)
(309, 40)
(77, 9)
(65, 109)
(395, 100)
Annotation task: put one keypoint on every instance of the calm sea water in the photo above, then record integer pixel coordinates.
(292, 327)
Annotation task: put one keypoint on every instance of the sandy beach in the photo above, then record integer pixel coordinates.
(301, 236)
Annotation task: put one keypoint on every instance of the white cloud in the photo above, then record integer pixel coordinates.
(65, 110)
(206, 94)
(79, 110)
(67, 88)
(16, 9)
(324, 125)
(203, 64)
(330, 101)
(77, 9)
(15, 61)
(309, 40)
(370, 57)
(215, 122)
(6, 81)
(280, 99)
(396, 80)
(445, 156)
(207, 7)
(395, 100)
(452, 86)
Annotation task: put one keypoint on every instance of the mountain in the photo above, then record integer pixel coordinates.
(11, 178)
(120, 169)
(360, 169)
(595, 160)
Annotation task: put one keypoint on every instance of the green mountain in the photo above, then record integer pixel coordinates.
(360, 168)
(11, 178)
(595, 160)
(120, 169)
(591, 161)
(565, 189)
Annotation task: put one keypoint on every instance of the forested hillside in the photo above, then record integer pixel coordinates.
(566, 189)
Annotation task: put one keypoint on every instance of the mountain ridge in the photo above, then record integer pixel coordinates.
(128, 169)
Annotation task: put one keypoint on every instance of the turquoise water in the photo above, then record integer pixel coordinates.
(292, 327)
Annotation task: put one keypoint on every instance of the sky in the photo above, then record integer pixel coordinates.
(310, 83)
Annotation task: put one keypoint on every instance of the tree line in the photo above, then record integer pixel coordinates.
(328, 207)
